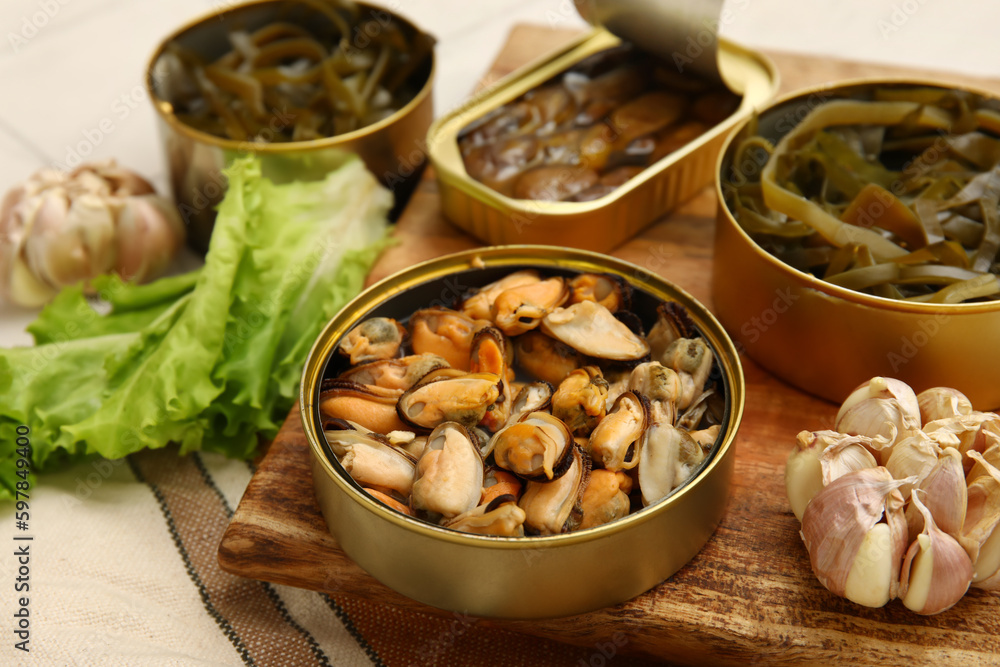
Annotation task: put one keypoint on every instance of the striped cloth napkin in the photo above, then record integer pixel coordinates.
(124, 571)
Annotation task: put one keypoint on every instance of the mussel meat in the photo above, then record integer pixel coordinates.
(536, 447)
(579, 400)
(462, 399)
(479, 306)
(546, 358)
(667, 457)
(609, 290)
(444, 332)
(604, 499)
(371, 461)
(371, 406)
(592, 329)
(500, 516)
(374, 338)
(397, 374)
(554, 507)
(532, 397)
(615, 441)
(449, 474)
(520, 309)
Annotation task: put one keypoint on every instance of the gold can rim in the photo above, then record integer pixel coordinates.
(166, 110)
(807, 279)
(514, 255)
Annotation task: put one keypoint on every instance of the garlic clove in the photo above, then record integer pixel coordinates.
(11, 201)
(122, 182)
(70, 241)
(17, 281)
(965, 433)
(847, 454)
(987, 565)
(883, 387)
(881, 419)
(837, 522)
(870, 580)
(150, 233)
(946, 494)
(24, 289)
(913, 456)
(991, 455)
(936, 570)
(803, 472)
(819, 458)
(981, 531)
(942, 403)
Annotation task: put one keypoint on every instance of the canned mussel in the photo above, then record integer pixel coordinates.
(539, 402)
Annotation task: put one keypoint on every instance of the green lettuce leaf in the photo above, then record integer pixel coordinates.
(71, 315)
(210, 359)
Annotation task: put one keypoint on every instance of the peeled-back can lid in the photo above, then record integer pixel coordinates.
(682, 32)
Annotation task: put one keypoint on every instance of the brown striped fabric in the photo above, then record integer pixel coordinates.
(264, 630)
(247, 612)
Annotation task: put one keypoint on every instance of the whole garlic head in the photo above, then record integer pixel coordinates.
(58, 228)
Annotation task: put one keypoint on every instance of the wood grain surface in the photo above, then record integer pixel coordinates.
(749, 597)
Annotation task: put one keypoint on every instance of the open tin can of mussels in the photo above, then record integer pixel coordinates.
(588, 146)
(532, 575)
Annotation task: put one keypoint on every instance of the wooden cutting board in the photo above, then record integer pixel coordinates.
(750, 595)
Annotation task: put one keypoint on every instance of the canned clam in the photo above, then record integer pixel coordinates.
(534, 569)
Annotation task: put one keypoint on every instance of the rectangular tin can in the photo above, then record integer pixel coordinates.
(608, 221)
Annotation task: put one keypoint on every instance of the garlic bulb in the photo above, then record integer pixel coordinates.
(938, 482)
(818, 459)
(945, 493)
(57, 229)
(852, 552)
(941, 403)
(936, 570)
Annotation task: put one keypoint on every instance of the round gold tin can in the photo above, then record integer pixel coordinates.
(392, 148)
(520, 577)
(825, 339)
